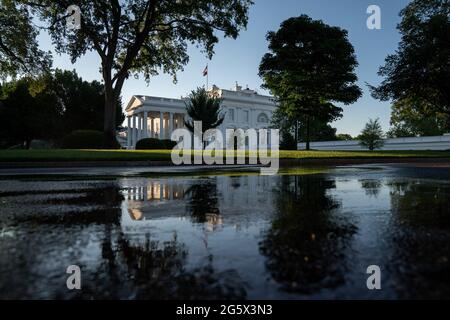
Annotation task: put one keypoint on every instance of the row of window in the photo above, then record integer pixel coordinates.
(262, 117)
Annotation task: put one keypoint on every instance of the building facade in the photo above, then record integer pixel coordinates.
(156, 117)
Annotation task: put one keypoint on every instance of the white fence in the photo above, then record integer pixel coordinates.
(414, 143)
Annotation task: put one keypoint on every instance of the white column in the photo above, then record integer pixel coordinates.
(129, 133)
(152, 121)
(140, 126)
(161, 125)
(134, 135)
(170, 125)
(145, 135)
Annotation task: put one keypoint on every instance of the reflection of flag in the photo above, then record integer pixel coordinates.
(205, 72)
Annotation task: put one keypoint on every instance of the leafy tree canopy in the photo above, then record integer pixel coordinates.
(62, 103)
(411, 119)
(202, 106)
(140, 36)
(372, 135)
(19, 51)
(309, 67)
(420, 68)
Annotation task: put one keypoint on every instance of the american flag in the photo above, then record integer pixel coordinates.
(205, 71)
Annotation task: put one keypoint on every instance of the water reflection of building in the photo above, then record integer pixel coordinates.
(212, 201)
(156, 198)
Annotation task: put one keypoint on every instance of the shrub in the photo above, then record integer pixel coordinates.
(155, 144)
(85, 139)
(149, 144)
(169, 144)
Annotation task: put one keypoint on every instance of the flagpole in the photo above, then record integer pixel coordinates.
(207, 77)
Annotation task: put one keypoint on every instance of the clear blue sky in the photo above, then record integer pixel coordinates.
(238, 60)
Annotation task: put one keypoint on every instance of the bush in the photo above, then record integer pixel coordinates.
(149, 144)
(85, 139)
(155, 144)
(169, 144)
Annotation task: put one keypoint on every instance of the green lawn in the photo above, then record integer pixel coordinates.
(128, 155)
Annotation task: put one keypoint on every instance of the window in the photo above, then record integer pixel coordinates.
(262, 118)
(246, 116)
(231, 114)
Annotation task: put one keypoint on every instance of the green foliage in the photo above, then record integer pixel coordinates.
(419, 71)
(19, 52)
(344, 137)
(140, 37)
(168, 144)
(372, 135)
(204, 107)
(82, 102)
(287, 141)
(85, 139)
(27, 116)
(319, 131)
(155, 144)
(309, 67)
(149, 144)
(409, 119)
(51, 106)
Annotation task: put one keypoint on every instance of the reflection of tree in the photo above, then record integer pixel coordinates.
(371, 187)
(305, 245)
(156, 270)
(420, 240)
(202, 200)
(421, 204)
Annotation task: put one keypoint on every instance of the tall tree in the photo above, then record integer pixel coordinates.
(140, 36)
(309, 67)
(419, 70)
(372, 135)
(19, 52)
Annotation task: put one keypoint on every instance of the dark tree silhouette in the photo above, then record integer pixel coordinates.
(419, 71)
(309, 67)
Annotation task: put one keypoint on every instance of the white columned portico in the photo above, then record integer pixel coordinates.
(145, 124)
(161, 125)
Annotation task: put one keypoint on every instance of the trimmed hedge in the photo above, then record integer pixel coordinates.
(155, 144)
(86, 139)
(169, 144)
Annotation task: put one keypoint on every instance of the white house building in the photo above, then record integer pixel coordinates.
(156, 117)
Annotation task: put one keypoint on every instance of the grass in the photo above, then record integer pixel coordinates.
(164, 155)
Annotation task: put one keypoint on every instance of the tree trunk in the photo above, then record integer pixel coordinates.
(307, 133)
(109, 125)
